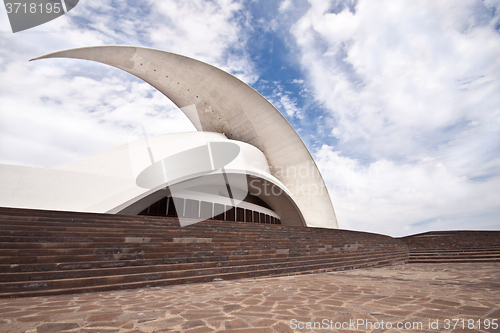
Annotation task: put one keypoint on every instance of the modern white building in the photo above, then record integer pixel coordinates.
(246, 163)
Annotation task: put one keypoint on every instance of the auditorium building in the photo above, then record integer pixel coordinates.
(245, 162)
(128, 217)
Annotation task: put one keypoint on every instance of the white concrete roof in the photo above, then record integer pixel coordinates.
(225, 104)
(110, 182)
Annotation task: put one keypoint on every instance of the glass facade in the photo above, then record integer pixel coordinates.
(190, 208)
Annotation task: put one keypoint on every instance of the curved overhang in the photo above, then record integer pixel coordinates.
(225, 104)
(199, 174)
(265, 187)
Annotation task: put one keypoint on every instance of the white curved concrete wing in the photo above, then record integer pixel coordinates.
(225, 104)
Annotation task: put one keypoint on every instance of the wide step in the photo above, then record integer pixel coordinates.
(454, 246)
(50, 253)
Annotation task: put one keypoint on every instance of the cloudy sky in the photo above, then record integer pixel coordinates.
(398, 101)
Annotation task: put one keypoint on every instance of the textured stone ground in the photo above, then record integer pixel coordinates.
(404, 294)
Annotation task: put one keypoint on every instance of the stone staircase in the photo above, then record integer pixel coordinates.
(50, 253)
(453, 246)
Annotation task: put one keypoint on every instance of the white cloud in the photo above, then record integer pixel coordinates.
(406, 83)
(290, 106)
(58, 110)
(284, 5)
(282, 99)
(397, 68)
(204, 30)
(390, 198)
(66, 118)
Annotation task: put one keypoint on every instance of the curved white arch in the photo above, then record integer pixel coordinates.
(225, 104)
(247, 173)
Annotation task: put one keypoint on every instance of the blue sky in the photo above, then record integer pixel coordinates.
(398, 101)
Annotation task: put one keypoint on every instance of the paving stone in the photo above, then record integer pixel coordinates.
(282, 328)
(216, 322)
(89, 308)
(17, 314)
(128, 325)
(473, 310)
(266, 309)
(408, 293)
(163, 322)
(494, 314)
(32, 319)
(231, 308)
(56, 327)
(235, 324)
(140, 316)
(193, 323)
(199, 315)
(250, 330)
(263, 323)
(200, 330)
(106, 324)
(104, 316)
(445, 302)
(252, 301)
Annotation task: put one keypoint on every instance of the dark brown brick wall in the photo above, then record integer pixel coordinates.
(453, 240)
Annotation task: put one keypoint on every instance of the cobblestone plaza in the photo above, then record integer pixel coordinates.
(404, 295)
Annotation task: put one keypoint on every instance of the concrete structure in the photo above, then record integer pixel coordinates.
(246, 154)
